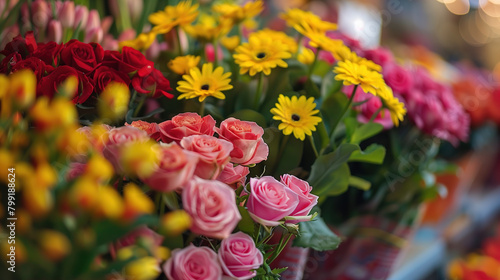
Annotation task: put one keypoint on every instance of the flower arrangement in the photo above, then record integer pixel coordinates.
(261, 136)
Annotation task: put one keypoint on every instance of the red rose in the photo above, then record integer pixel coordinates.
(81, 56)
(35, 64)
(20, 45)
(49, 52)
(154, 83)
(103, 75)
(134, 60)
(49, 85)
(112, 59)
(9, 61)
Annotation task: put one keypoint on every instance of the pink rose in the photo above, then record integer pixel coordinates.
(213, 153)
(152, 129)
(186, 124)
(193, 263)
(142, 232)
(249, 148)
(238, 256)
(76, 169)
(176, 167)
(270, 201)
(306, 200)
(119, 137)
(234, 176)
(397, 78)
(212, 207)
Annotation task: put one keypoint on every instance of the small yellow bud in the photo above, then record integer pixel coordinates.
(230, 43)
(66, 112)
(182, 64)
(306, 56)
(162, 253)
(45, 175)
(22, 88)
(139, 158)
(73, 143)
(37, 202)
(113, 101)
(69, 87)
(6, 162)
(99, 168)
(174, 223)
(19, 252)
(110, 203)
(54, 245)
(4, 86)
(146, 268)
(83, 194)
(136, 202)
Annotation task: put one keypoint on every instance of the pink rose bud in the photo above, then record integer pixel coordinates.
(239, 257)
(153, 52)
(126, 35)
(306, 200)
(108, 42)
(67, 14)
(175, 168)
(212, 207)
(93, 21)
(213, 154)
(41, 14)
(186, 124)
(106, 23)
(116, 139)
(210, 53)
(55, 31)
(193, 263)
(81, 17)
(270, 201)
(246, 137)
(94, 35)
(76, 169)
(234, 176)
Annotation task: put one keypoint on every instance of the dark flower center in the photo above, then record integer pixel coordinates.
(295, 117)
(261, 55)
(205, 87)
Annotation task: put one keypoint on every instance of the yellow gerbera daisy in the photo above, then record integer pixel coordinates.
(297, 17)
(395, 107)
(182, 14)
(204, 83)
(343, 53)
(318, 38)
(182, 64)
(142, 42)
(306, 56)
(230, 43)
(237, 13)
(261, 54)
(208, 28)
(278, 36)
(296, 115)
(358, 74)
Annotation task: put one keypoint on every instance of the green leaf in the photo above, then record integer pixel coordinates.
(366, 131)
(152, 113)
(373, 154)
(331, 108)
(107, 231)
(316, 234)
(324, 170)
(272, 137)
(246, 223)
(279, 270)
(291, 156)
(250, 115)
(359, 183)
(311, 89)
(329, 85)
(350, 127)
(337, 182)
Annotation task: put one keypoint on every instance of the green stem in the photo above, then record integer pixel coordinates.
(202, 108)
(376, 114)
(216, 53)
(158, 201)
(123, 21)
(240, 32)
(323, 134)
(299, 45)
(347, 106)
(178, 34)
(311, 69)
(138, 108)
(259, 91)
(284, 141)
(280, 248)
(313, 146)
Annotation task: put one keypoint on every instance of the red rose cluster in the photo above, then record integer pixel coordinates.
(94, 67)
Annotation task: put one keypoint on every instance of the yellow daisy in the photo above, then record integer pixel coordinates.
(237, 13)
(306, 56)
(260, 55)
(318, 38)
(343, 53)
(182, 64)
(395, 107)
(230, 43)
(208, 28)
(278, 36)
(182, 14)
(142, 42)
(296, 115)
(296, 18)
(204, 83)
(358, 74)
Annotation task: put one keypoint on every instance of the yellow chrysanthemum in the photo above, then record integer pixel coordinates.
(296, 18)
(230, 43)
(260, 55)
(395, 107)
(208, 28)
(237, 13)
(319, 39)
(296, 115)
(306, 56)
(342, 53)
(142, 42)
(278, 36)
(182, 64)
(357, 74)
(204, 83)
(180, 15)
